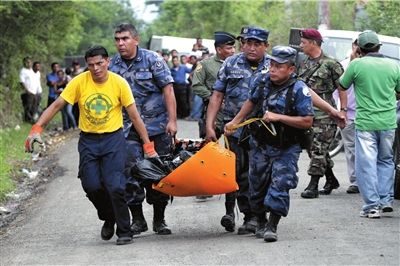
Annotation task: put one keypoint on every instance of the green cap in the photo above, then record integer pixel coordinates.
(368, 39)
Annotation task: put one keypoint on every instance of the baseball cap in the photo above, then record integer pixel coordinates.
(283, 54)
(311, 34)
(368, 39)
(254, 33)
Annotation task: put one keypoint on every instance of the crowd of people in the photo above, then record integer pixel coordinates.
(129, 105)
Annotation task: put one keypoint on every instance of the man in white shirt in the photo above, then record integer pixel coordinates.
(28, 97)
(38, 85)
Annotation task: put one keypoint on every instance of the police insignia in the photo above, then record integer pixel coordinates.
(158, 65)
(199, 67)
(306, 91)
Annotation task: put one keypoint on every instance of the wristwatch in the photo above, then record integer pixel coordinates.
(344, 109)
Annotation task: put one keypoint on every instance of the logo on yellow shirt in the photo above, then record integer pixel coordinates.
(97, 108)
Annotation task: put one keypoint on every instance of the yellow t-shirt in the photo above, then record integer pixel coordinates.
(100, 105)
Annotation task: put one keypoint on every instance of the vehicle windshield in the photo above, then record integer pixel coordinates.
(340, 48)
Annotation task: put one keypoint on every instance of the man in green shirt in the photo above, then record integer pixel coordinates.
(206, 72)
(375, 79)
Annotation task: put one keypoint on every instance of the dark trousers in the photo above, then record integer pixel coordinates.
(138, 191)
(29, 102)
(101, 164)
(242, 177)
(182, 100)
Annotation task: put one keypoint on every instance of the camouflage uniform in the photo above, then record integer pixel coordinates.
(147, 75)
(322, 76)
(234, 79)
(203, 80)
(273, 168)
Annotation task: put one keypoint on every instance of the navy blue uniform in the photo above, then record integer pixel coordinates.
(147, 75)
(273, 169)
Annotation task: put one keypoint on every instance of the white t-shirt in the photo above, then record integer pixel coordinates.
(36, 82)
(27, 76)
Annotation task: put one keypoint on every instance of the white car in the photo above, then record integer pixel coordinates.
(337, 44)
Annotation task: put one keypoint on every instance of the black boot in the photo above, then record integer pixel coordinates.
(159, 225)
(228, 220)
(331, 182)
(270, 234)
(139, 224)
(311, 190)
(249, 224)
(261, 223)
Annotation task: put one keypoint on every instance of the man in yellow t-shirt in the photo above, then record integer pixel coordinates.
(100, 95)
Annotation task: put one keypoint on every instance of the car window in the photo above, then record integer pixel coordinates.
(340, 48)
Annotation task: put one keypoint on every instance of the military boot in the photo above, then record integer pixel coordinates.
(311, 190)
(261, 222)
(331, 182)
(249, 224)
(139, 224)
(159, 225)
(270, 234)
(228, 220)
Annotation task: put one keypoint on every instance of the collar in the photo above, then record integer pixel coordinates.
(137, 58)
(376, 54)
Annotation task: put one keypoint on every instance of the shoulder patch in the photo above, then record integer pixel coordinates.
(158, 64)
(306, 91)
(199, 67)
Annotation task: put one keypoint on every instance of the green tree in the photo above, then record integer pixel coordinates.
(383, 17)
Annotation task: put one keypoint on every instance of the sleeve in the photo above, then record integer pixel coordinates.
(398, 78)
(220, 83)
(70, 94)
(303, 101)
(22, 76)
(161, 72)
(199, 82)
(347, 79)
(126, 93)
(337, 71)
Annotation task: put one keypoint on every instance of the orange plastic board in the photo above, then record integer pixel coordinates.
(210, 171)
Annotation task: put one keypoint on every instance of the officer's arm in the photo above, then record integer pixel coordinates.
(213, 107)
(293, 121)
(246, 109)
(137, 122)
(170, 104)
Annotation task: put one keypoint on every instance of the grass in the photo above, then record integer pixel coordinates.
(12, 154)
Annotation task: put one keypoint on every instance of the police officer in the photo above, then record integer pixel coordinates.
(321, 73)
(100, 95)
(232, 86)
(286, 103)
(206, 72)
(151, 83)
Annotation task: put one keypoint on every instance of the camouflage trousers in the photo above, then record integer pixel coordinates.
(272, 174)
(319, 151)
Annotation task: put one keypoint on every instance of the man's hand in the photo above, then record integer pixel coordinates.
(210, 135)
(34, 136)
(149, 151)
(229, 128)
(340, 117)
(171, 128)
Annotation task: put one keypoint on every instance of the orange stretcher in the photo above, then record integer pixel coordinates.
(210, 171)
